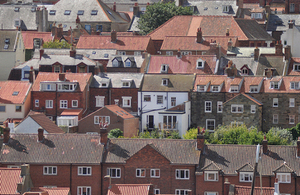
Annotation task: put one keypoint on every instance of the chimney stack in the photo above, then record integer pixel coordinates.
(59, 31)
(227, 32)
(256, 53)
(53, 29)
(178, 54)
(97, 69)
(265, 145)
(276, 187)
(72, 52)
(291, 24)
(298, 147)
(144, 54)
(287, 52)
(41, 52)
(136, 9)
(40, 134)
(103, 136)
(268, 73)
(114, 7)
(6, 136)
(226, 186)
(62, 76)
(31, 75)
(229, 48)
(278, 49)
(199, 35)
(77, 20)
(113, 36)
(200, 139)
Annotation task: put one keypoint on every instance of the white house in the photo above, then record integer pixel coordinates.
(291, 37)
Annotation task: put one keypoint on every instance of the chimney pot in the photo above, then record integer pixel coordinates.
(113, 36)
(265, 145)
(298, 147)
(6, 135)
(40, 134)
(115, 7)
(62, 76)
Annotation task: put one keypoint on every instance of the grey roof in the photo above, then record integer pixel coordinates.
(115, 79)
(176, 151)
(55, 149)
(176, 82)
(249, 51)
(12, 36)
(127, 5)
(48, 59)
(33, 62)
(232, 157)
(137, 59)
(213, 7)
(276, 62)
(239, 63)
(8, 17)
(279, 22)
(134, 24)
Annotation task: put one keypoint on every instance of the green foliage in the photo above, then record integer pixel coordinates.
(158, 13)
(278, 136)
(295, 131)
(115, 133)
(174, 135)
(57, 44)
(191, 134)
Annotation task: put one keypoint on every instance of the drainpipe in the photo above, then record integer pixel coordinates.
(56, 103)
(71, 178)
(223, 184)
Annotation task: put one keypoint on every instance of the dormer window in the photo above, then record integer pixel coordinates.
(274, 85)
(103, 84)
(165, 82)
(164, 68)
(66, 87)
(7, 41)
(256, 15)
(234, 88)
(36, 43)
(294, 85)
(122, 53)
(67, 12)
(52, 12)
(201, 88)
(129, 62)
(6, 46)
(200, 63)
(246, 176)
(17, 23)
(94, 12)
(80, 12)
(126, 82)
(296, 67)
(226, 8)
(284, 177)
(17, 9)
(253, 89)
(215, 88)
(115, 63)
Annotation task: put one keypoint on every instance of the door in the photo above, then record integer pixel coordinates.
(150, 121)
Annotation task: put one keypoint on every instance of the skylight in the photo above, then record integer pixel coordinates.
(15, 93)
(7, 40)
(17, 9)
(5, 46)
(67, 12)
(33, 9)
(80, 12)
(94, 12)
(52, 12)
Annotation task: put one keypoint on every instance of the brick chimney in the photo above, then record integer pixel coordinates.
(6, 136)
(136, 9)
(278, 48)
(103, 136)
(62, 76)
(231, 69)
(200, 139)
(199, 35)
(229, 45)
(256, 53)
(144, 54)
(40, 134)
(113, 36)
(287, 52)
(227, 32)
(77, 20)
(97, 69)
(298, 147)
(178, 55)
(268, 73)
(53, 29)
(59, 31)
(114, 7)
(72, 52)
(265, 145)
(226, 186)
(41, 52)
(291, 24)
(31, 75)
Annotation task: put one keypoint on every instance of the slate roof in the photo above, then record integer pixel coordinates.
(183, 83)
(279, 22)
(66, 60)
(12, 36)
(7, 88)
(276, 62)
(9, 178)
(239, 62)
(137, 60)
(187, 64)
(55, 149)
(28, 37)
(176, 151)
(117, 189)
(115, 79)
(231, 157)
(249, 51)
(81, 78)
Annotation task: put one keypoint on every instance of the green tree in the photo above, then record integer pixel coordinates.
(295, 131)
(191, 134)
(278, 136)
(57, 44)
(115, 133)
(158, 13)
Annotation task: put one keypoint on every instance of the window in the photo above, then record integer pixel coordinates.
(200, 63)
(245, 71)
(116, 101)
(160, 99)
(234, 89)
(291, 119)
(292, 7)
(275, 102)
(182, 174)
(15, 93)
(294, 85)
(284, 177)
(275, 118)
(164, 68)
(181, 192)
(237, 108)
(128, 63)
(126, 84)
(156, 191)
(84, 170)
(256, 15)
(165, 82)
(74, 103)
(7, 41)
(296, 67)
(208, 106)
(94, 12)
(17, 9)
(210, 193)
(49, 103)
(226, 8)
(274, 85)
(114, 172)
(101, 119)
(57, 69)
(210, 175)
(67, 12)
(169, 53)
(50, 170)
(137, 53)
(80, 12)
(63, 103)
(99, 101)
(87, 28)
(99, 29)
(140, 172)
(173, 101)
(115, 63)
(66, 87)
(169, 122)
(201, 88)
(84, 190)
(184, 53)
(210, 124)
(52, 12)
(36, 103)
(122, 53)
(2, 108)
(292, 102)
(253, 108)
(147, 98)
(155, 173)
(126, 101)
(246, 177)
(215, 88)
(219, 107)
(5, 46)
(18, 108)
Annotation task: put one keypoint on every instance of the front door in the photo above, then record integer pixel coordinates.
(150, 121)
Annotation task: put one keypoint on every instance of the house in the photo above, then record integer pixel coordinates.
(63, 97)
(292, 7)
(289, 38)
(15, 99)
(114, 117)
(125, 63)
(156, 98)
(34, 121)
(142, 189)
(94, 15)
(255, 11)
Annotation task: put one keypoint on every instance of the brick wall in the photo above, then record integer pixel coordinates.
(131, 127)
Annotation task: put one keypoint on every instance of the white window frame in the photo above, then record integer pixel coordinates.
(126, 84)
(153, 173)
(274, 85)
(159, 99)
(117, 171)
(71, 87)
(63, 104)
(147, 98)
(206, 124)
(284, 177)
(275, 118)
(208, 106)
(156, 191)
(214, 173)
(219, 106)
(137, 53)
(164, 68)
(225, 8)
(122, 53)
(294, 85)
(126, 101)
(292, 119)
(179, 191)
(292, 102)
(169, 53)
(253, 109)
(49, 103)
(245, 175)
(215, 88)
(186, 174)
(100, 101)
(253, 89)
(139, 171)
(275, 102)
(49, 170)
(201, 88)
(202, 64)
(296, 67)
(87, 189)
(76, 103)
(36, 103)
(173, 101)
(234, 89)
(237, 108)
(211, 193)
(165, 82)
(88, 171)
(105, 119)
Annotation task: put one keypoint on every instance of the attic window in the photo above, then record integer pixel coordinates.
(5, 46)
(80, 12)
(33, 9)
(164, 68)
(126, 82)
(200, 63)
(94, 52)
(256, 15)
(165, 82)
(274, 85)
(201, 88)
(205, 8)
(106, 55)
(7, 41)
(94, 12)
(128, 63)
(17, 9)
(17, 23)
(234, 88)
(52, 12)
(15, 93)
(226, 8)
(296, 67)
(67, 12)
(245, 71)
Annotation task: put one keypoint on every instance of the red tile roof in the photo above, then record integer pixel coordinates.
(71, 112)
(285, 85)
(245, 190)
(7, 88)
(9, 178)
(251, 81)
(28, 37)
(186, 64)
(82, 78)
(291, 71)
(119, 111)
(129, 189)
(133, 43)
(56, 191)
